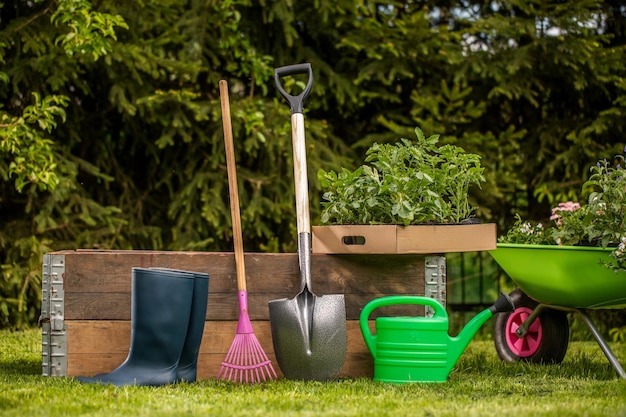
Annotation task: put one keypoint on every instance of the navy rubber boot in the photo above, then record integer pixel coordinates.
(160, 313)
(188, 364)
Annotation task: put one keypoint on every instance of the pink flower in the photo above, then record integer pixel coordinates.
(568, 206)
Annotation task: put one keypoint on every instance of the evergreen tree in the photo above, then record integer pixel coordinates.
(111, 133)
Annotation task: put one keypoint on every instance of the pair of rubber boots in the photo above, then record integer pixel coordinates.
(168, 311)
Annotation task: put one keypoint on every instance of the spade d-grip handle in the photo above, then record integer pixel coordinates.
(295, 102)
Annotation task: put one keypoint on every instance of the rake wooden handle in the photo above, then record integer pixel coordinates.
(233, 192)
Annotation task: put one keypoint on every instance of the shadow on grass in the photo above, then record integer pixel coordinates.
(577, 364)
(20, 367)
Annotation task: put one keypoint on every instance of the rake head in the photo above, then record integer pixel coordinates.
(246, 361)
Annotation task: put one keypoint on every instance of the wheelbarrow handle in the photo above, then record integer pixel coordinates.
(295, 102)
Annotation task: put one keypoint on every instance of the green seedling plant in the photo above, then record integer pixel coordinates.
(409, 182)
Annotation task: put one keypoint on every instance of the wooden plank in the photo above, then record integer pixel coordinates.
(82, 364)
(116, 306)
(100, 346)
(98, 283)
(110, 271)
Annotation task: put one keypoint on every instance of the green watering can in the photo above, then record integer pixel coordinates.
(419, 349)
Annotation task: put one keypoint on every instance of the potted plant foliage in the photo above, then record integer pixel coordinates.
(408, 197)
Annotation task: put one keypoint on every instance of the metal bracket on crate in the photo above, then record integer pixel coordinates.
(53, 331)
(434, 281)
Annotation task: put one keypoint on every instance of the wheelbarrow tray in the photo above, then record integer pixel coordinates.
(570, 276)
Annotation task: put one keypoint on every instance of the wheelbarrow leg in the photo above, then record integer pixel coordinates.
(603, 345)
(523, 329)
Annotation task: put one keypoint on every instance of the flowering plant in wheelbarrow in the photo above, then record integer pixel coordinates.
(601, 222)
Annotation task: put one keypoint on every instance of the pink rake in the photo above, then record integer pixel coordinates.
(245, 361)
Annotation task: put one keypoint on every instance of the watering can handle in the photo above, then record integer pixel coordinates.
(295, 102)
(370, 339)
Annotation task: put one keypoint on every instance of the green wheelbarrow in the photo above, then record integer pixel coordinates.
(553, 281)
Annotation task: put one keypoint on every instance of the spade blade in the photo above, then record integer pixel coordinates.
(309, 335)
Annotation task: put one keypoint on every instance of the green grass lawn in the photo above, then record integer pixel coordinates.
(480, 385)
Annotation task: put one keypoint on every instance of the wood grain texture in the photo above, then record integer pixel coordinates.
(100, 346)
(98, 283)
(97, 287)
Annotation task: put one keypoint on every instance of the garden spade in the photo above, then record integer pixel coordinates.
(308, 331)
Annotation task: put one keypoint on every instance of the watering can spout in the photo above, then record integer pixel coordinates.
(459, 343)
(503, 304)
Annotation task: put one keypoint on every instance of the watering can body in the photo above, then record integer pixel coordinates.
(418, 349)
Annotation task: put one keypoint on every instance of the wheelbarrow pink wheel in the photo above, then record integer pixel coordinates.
(547, 337)
(528, 345)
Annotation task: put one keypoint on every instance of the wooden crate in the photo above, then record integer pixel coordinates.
(87, 296)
